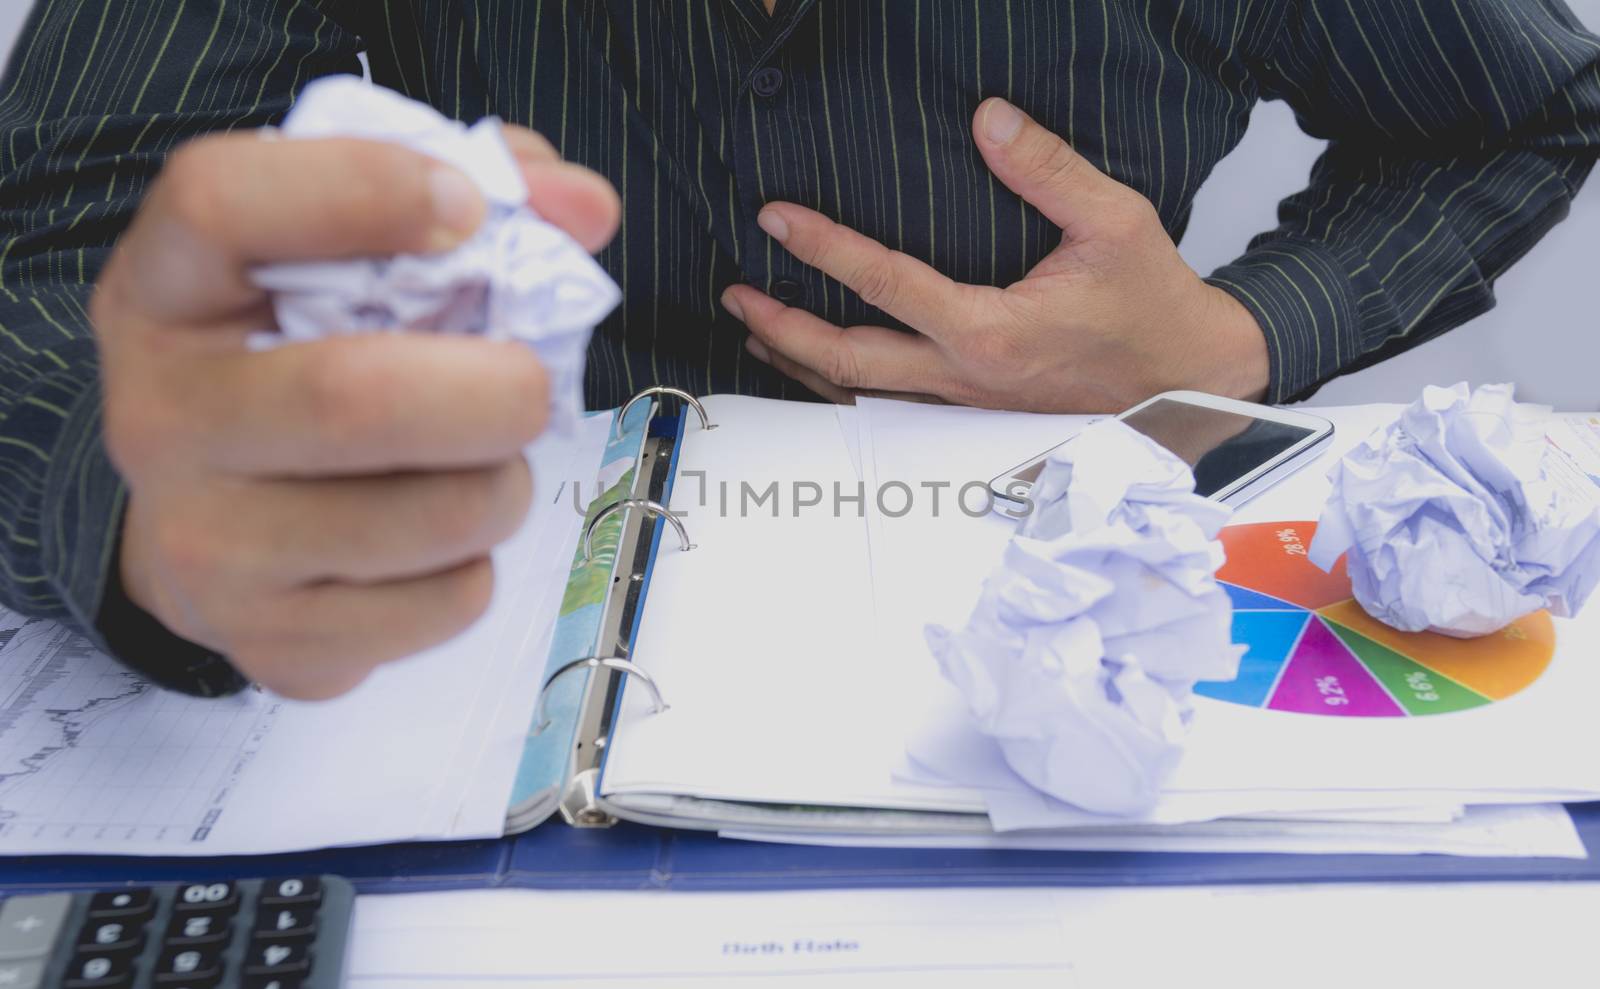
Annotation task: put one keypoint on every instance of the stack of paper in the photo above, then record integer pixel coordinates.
(806, 706)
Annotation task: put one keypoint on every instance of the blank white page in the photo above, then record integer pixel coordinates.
(762, 637)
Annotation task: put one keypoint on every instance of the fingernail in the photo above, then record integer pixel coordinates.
(457, 207)
(773, 224)
(730, 302)
(758, 350)
(1001, 121)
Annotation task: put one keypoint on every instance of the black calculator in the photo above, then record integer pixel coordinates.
(287, 933)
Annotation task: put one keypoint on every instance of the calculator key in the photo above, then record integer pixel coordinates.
(94, 970)
(29, 924)
(22, 975)
(123, 904)
(206, 896)
(273, 982)
(291, 889)
(188, 967)
(270, 956)
(191, 930)
(286, 922)
(111, 936)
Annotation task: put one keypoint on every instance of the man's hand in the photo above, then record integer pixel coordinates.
(1110, 317)
(314, 510)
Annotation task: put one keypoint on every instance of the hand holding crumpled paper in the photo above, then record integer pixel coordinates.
(517, 277)
(1459, 518)
(1085, 645)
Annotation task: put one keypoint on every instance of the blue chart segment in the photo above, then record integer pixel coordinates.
(1270, 637)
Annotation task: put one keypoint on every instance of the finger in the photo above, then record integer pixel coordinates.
(572, 197)
(372, 529)
(858, 358)
(322, 641)
(892, 281)
(575, 199)
(225, 204)
(529, 147)
(1039, 166)
(832, 393)
(800, 373)
(355, 404)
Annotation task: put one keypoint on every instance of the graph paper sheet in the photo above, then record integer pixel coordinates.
(95, 759)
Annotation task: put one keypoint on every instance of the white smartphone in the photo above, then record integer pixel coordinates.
(1236, 449)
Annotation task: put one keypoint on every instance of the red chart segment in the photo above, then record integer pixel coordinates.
(1322, 677)
(1270, 558)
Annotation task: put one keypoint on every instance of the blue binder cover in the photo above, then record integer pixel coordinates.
(632, 857)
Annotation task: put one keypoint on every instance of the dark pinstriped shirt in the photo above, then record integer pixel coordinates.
(1459, 129)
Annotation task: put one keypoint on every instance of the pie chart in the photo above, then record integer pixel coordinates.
(1311, 649)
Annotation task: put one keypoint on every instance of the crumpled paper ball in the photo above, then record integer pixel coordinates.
(518, 277)
(1457, 521)
(1081, 656)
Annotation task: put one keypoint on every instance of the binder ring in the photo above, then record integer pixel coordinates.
(541, 722)
(690, 400)
(654, 508)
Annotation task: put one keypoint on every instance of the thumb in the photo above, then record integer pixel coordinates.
(1039, 166)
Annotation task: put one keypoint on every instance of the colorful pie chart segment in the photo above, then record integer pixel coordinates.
(1311, 649)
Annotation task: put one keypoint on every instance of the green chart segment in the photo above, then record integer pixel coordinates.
(1310, 649)
(1418, 689)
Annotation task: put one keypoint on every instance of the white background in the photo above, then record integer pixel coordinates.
(1545, 335)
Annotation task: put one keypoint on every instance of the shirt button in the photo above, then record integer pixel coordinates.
(786, 291)
(767, 82)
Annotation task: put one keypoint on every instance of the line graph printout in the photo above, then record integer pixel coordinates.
(92, 751)
(95, 759)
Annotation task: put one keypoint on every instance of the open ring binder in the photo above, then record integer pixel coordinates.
(678, 393)
(580, 802)
(541, 722)
(650, 508)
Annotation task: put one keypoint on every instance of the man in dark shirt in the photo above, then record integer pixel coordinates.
(976, 200)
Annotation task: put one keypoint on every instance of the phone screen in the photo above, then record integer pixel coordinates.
(1220, 446)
